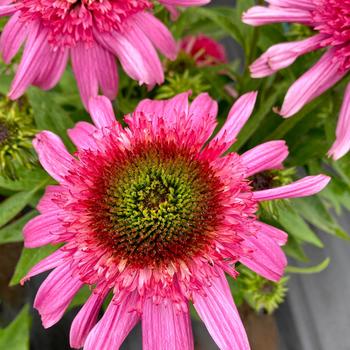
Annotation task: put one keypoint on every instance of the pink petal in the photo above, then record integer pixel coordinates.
(237, 117)
(43, 229)
(33, 59)
(101, 111)
(49, 263)
(201, 106)
(266, 156)
(136, 54)
(47, 201)
(85, 69)
(165, 327)
(279, 236)
(158, 33)
(7, 10)
(185, 2)
(342, 144)
(260, 15)
(283, 55)
(85, 320)
(324, 74)
(220, 315)
(107, 72)
(52, 69)
(81, 135)
(55, 295)
(53, 155)
(298, 4)
(118, 320)
(267, 258)
(12, 37)
(307, 186)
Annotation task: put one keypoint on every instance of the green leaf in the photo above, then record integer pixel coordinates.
(16, 335)
(313, 210)
(81, 297)
(29, 180)
(13, 232)
(49, 115)
(294, 249)
(295, 225)
(28, 259)
(13, 205)
(308, 270)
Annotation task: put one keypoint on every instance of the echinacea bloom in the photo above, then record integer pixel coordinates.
(155, 217)
(330, 21)
(91, 34)
(204, 50)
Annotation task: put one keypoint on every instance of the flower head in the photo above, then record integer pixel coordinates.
(330, 21)
(204, 50)
(92, 34)
(155, 214)
(17, 131)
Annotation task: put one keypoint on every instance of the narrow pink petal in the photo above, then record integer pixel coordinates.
(164, 327)
(203, 105)
(55, 294)
(172, 108)
(267, 258)
(49, 263)
(12, 37)
(152, 107)
(298, 4)
(129, 57)
(33, 58)
(279, 236)
(260, 15)
(218, 312)
(53, 68)
(101, 111)
(85, 320)
(237, 117)
(307, 186)
(312, 84)
(43, 229)
(118, 320)
(283, 55)
(47, 201)
(266, 156)
(185, 2)
(158, 33)
(81, 135)
(107, 72)
(342, 144)
(53, 155)
(136, 54)
(85, 69)
(7, 10)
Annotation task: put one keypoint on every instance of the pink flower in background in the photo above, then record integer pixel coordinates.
(330, 20)
(91, 33)
(204, 50)
(156, 216)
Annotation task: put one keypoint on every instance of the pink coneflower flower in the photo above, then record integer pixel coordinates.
(330, 20)
(91, 33)
(204, 50)
(155, 216)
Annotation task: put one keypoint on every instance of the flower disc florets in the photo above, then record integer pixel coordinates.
(154, 204)
(72, 21)
(155, 213)
(332, 18)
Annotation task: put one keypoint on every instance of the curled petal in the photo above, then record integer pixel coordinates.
(307, 186)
